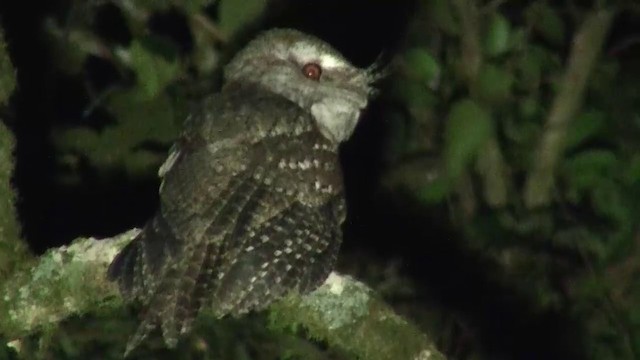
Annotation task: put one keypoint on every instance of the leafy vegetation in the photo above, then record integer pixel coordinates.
(516, 124)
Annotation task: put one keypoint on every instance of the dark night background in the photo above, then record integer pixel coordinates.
(475, 305)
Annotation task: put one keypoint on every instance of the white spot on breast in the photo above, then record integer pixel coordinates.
(304, 165)
(327, 189)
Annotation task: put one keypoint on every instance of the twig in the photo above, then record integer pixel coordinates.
(203, 22)
(587, 45)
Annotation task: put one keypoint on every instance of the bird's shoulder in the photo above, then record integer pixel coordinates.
(238, 116)
(244, 112)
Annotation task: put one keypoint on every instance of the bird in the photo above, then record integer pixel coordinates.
(252, 196)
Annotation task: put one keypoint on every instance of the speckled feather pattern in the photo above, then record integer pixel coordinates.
(251, 209)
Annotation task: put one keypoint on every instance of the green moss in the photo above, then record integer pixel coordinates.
(12, 249)
(7, 73)
(347, 316)
(66, 281)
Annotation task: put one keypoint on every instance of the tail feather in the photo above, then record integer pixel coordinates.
(123, 268)
(144, 273)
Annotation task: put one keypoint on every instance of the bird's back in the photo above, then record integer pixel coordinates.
(251, 205)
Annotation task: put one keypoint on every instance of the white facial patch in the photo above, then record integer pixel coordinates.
(306, 53)
(336, 118)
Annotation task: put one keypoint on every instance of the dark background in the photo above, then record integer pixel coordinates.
(477, 312)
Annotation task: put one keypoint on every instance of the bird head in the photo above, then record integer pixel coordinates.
(309, 72)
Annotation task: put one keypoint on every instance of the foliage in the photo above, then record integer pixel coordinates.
(148, 95)
(489, 121)
(517, 122)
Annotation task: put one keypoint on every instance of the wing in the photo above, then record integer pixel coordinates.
(225, 190)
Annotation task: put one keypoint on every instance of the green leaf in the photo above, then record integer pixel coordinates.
(234, 14)
(632, 171)
(496, 40)
(120, 145)
(441, 13)
(435, 191)
(493, 84)
(72, 139)
(533, 64)
(608, 199)
(584, 127)
(585, 170)
(413, 94)
(546, 21)
(467, 129)
(421, 65)
(529, 108)
(155, 66)
(529, 71)
(194, 6)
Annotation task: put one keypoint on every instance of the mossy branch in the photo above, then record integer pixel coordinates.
(586, 47)
(12, 249)
(70, 280)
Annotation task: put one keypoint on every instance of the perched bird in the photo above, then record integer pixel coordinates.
(251, 200)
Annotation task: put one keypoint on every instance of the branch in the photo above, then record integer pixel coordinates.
(12, 249)
(587, 45)
(70, 280)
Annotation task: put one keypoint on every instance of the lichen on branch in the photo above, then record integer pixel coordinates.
(12, 249)
(70, 280)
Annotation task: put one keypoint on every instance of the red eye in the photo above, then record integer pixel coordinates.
(312, 71)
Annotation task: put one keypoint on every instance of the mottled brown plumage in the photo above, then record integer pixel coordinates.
(252, 197)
